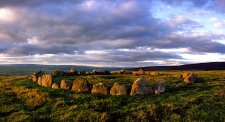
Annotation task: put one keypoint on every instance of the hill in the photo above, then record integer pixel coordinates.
(27, 69)
(198, 66)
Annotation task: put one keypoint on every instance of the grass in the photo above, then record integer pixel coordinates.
(23, 100)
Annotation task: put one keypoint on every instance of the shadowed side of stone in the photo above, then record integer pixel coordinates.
(159, 87)
(39, 81)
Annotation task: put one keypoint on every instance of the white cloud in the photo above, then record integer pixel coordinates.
(7, 15)
(218, 25)
(213, 19)
(33, 40)
(205, 57)
(174, 50)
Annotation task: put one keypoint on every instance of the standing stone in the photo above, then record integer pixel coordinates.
(55, 86)
(141, 72)
(141, 87)
(34, 77)
(65, 85)
(47, 80)
(189, 79)
(39, 81)
(80, 85)
(100, 88)
(159, 87)
(118, 89)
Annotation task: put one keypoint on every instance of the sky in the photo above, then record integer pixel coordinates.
(122, 33)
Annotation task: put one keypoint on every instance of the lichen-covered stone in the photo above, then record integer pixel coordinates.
(190, 79)
(47, 80)
(118, 89)
(39, 81)
(65, 84)
(185, 75)
(141, 87)
(100, 88)
(80, 85)
(55, 86)
(159, 87)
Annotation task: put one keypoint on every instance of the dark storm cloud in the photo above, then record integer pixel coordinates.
(133, 55)
(33, 3)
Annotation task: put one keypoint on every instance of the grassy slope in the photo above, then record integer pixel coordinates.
(22, 100)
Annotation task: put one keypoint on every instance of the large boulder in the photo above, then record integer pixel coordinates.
(65, 84)
(80, 85)
(100, 88)
(47, 80)
(190, 79)
(141, 87)
(159, 87)
(118, 89)
(55, 86)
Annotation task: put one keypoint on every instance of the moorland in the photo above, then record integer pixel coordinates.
(204, 100)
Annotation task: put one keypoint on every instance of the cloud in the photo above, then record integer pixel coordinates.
(113, 30)
(218, 25)
(213, 19)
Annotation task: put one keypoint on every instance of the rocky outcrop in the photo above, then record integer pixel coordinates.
(65, 84)
(80, 85)
(159, 87)
(118, 89)
(100, 88)
(141, 87)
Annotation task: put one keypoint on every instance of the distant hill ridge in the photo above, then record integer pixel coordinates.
(198, 66)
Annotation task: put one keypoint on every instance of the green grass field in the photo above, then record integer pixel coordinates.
(22, 100)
